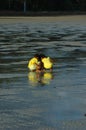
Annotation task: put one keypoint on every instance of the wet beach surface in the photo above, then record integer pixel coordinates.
(32, 101)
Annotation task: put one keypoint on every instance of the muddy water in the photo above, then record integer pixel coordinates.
(54, 100)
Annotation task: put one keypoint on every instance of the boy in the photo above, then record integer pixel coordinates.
(48, 64)
(33, 62)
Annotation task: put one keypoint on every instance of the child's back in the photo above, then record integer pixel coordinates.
(32, 63)
(47, 62)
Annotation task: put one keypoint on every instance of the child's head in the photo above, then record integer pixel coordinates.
(36, 55)
(42, 56)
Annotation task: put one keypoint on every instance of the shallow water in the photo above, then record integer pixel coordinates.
(54, 100)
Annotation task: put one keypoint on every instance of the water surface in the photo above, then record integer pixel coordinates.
(54, 100)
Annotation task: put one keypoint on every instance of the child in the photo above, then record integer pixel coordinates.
(33, 62)
(48, 64)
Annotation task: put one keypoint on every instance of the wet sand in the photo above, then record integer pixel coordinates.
(70, 18)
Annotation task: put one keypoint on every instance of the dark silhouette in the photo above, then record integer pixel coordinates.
(42, 5)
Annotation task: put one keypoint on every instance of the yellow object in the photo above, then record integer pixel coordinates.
(32, 64)
(36, 78)
(32, 78)
(47, 77)
(47, 63)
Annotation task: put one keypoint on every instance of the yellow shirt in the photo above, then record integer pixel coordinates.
(47, 63)
(32, 63)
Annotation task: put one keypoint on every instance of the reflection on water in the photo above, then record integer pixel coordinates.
(42, 78)
(63, 96)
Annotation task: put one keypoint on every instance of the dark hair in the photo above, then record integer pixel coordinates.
(42, 55)
(36, 55)
(39, 56)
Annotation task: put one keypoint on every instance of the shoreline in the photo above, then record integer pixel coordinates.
(26, 19)
(44, 16)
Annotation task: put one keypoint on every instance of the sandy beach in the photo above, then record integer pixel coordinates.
(19, 19)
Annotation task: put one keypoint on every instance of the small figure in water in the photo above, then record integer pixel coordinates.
(40, 63)
(33, 62)
(47, 62)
